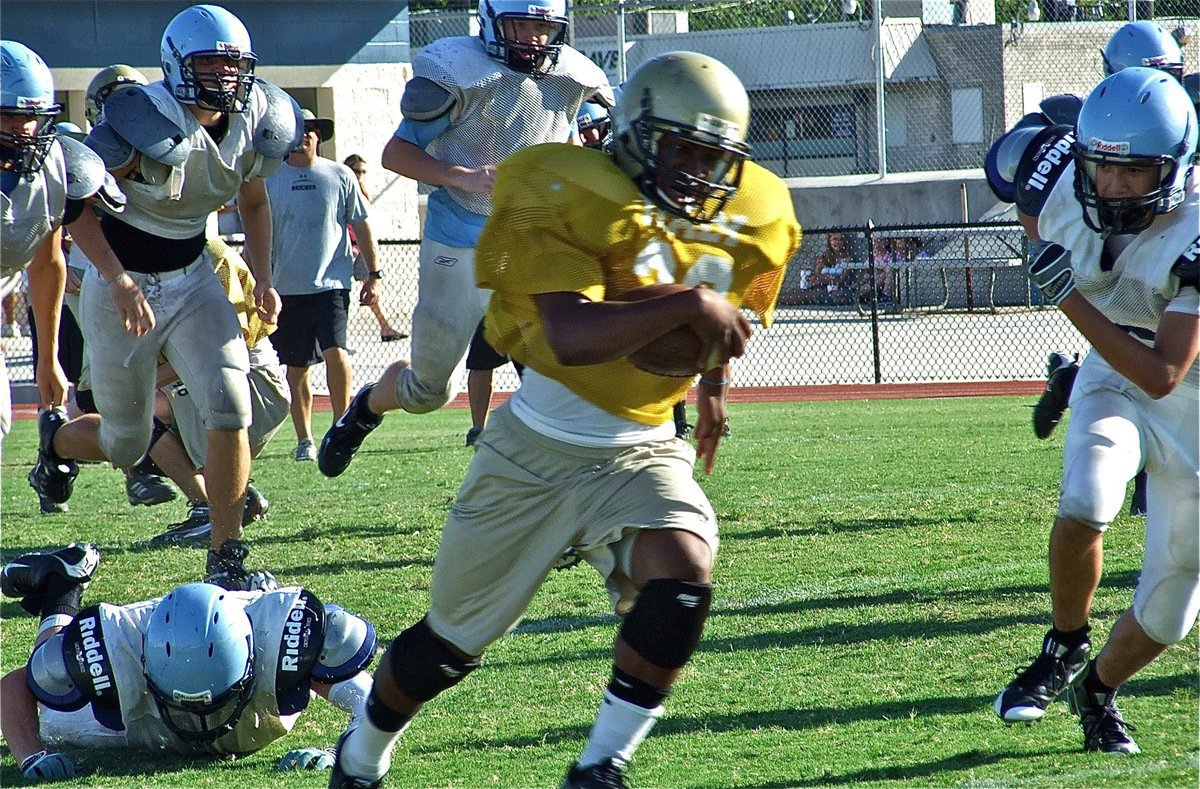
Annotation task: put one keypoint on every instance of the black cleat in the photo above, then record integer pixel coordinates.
(347, 434)
(608, 774)
(1026, 698)
(52, 478)
(1104, 729)
(1050, 407)
(28, 574)
(256, 506)
(148, 489)
(338, 778)
(224, 569)
(1137, 503)
(195, 529)
(473, 435)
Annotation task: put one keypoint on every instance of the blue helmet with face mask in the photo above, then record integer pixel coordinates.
(534, 59)
(1138, 117)
(594, 116)
(1143, 43)
(26, 90)
(208, 31)
(198, 659)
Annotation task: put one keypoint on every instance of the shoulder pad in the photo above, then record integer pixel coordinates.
(113, 149)
(48, 680)
(133, 115)
(1045, 158)
(1187, 267)
(85, 169)
(1003, 158)
(303, 634)
(281, 126)
(425, 100)
(1062, 108)
(349, 646)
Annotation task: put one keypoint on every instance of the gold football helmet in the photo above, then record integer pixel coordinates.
(106, 81)
(679, 131)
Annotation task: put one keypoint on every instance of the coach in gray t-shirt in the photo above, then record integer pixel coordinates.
(313, 201)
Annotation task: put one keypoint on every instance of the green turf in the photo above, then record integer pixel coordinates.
(882, 572)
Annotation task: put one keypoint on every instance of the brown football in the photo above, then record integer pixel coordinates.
(673, 354)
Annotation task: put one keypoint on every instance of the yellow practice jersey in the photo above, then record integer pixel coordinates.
(566, 218)
(238, 283)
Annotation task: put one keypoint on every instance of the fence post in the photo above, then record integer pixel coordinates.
(875, 352)
(880, 125)
(621, 65)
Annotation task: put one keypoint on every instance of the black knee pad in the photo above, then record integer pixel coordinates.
(423, 666)
(665, 624)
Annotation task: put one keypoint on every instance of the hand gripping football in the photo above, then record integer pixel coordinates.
(674, 354)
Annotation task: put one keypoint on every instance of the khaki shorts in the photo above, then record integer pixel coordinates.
(270, 403)
(527, 498)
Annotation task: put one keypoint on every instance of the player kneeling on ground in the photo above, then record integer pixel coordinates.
(585, 453)
(199, 671)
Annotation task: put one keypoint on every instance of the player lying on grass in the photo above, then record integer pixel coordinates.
(198, 671)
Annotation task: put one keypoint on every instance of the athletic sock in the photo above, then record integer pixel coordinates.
(619, 729)
(367, 751)
(1071, 638)
(1093, 684)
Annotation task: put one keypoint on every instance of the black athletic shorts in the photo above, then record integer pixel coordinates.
(309, 324)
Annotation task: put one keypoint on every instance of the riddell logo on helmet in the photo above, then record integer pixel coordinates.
(229, 48)
(31, 102)
(1096, 145)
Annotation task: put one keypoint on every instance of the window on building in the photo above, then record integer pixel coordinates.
(966, 115)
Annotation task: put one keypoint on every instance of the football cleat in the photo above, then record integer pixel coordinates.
(256, 506)
(347, 434)
(338, 778)
(224, 568)
(473, 435)
(609, 774)
(52, 477)
(1104, 729)
(148, 490)
(1026, 698)
(1050, 407)
(195, 529)
(27, 574)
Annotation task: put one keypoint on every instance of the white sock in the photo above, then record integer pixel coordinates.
(367, 752)
(619, 729)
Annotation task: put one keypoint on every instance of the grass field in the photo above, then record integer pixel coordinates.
(882, 571)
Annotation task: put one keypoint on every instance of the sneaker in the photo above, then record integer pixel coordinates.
(148, 490)
(1104, 729)
(605, 775)
(338, 778)
(52, 477)
(195, 529)
(306, 451)
(1060, 377)
(473, 435)
(224, 568)
(347, 434)
(1137, 503)
(27, 574)
(256, 506)
(1026, 698)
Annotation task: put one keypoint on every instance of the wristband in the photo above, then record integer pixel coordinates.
(714, 383)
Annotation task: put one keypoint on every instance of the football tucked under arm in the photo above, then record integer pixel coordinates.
(679, 353)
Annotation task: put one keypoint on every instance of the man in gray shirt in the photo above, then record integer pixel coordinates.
(313, 200)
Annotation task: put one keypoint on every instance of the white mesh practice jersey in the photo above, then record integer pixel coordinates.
(1135, 290)
(174, 202)
(498, 111)
(123, 714)
(32, 210)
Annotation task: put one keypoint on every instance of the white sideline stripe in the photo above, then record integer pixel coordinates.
(906, 581)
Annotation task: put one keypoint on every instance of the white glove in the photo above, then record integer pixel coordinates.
(306, 759)
(45, 766)
(1050, 270)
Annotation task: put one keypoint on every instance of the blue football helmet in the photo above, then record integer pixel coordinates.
(198, 659)
(681, 101)
(534, 59)
(208, 31)
(1143, 43)
(1138, 117)
(26, 91)
(594, 116)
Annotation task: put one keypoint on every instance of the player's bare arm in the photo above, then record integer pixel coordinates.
(47, 279)
(256, 220)
(136, 314)
(583, 332)
(411, 161)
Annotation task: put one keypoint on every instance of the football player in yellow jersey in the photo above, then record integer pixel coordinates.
(584, 455)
